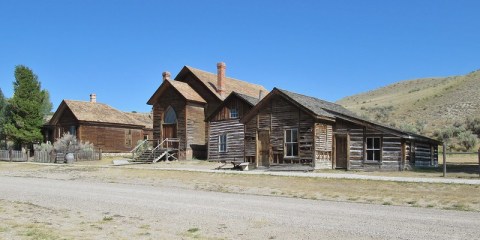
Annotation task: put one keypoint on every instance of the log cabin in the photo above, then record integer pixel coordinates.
(287, 128)
(225, 132)
(181, 106)
(107, 128)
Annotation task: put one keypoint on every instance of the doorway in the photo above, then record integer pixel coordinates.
(341, 151)
(263, 148)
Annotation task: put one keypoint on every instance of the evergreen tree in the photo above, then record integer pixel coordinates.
(25, 111)
(3, 106)
(46, 104)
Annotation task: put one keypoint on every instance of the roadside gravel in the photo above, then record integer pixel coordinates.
(125, 211)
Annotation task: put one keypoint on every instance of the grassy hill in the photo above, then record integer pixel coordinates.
(429, 103)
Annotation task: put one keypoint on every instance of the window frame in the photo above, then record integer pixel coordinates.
(293, 144)
(225, 143)
(373, 149)
(234, 111)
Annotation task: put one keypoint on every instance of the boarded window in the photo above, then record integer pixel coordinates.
(373, 149)
(233, 113)
(291, 142)
(170, 116)
(128, 138)
(222, 143)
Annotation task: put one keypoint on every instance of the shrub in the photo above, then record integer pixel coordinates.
(467, 139)
(473, 124)
(69, 143)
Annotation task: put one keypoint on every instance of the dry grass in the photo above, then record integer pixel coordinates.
(443, 196)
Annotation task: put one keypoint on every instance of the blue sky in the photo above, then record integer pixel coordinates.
(326, 49)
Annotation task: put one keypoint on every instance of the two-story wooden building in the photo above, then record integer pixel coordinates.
(289, 128)
(226, 132)
(181, 106)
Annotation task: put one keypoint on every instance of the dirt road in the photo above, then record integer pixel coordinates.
(85, 210)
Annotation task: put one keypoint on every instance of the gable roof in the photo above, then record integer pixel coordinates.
(96, 112)
(247, 99)
(182, 88)
(320, 108)
(143, 118)
(231, 84)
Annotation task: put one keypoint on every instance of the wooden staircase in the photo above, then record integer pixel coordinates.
(167, 150)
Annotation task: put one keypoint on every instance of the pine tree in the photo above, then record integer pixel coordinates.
(26, 107)
(3, 106)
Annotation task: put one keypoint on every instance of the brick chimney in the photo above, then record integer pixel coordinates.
(166, 76)
(221, 78)
(93, 98)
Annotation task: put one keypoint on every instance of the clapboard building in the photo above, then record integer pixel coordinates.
(181, 106)
(287, 128)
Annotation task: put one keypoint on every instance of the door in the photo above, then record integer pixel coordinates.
(169, 131)
(341, 149)
(263, 148)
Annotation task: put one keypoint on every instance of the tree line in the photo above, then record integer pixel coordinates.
(22, 116)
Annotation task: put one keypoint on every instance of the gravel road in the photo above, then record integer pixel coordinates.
(173, 211)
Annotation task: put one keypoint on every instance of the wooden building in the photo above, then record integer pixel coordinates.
(106, 127)
(181, 106)
(288, 128)
(225, 132)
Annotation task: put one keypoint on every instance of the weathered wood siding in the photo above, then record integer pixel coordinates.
(391, 147)
(235, 140)
(110, 138)
(277, 117)
(176, 101)
(195, 132)
(323, 145)
(236, 103)
(251, 140)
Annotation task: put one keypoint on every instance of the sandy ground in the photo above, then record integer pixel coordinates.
(38, 208)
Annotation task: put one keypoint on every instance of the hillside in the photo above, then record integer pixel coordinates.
(430, 102)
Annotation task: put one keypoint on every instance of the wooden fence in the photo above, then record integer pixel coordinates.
(461, 153)
(59, 157)
(13, 156)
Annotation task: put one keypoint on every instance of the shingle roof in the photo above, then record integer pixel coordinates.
(231, 84)
(102, 113)
(183, 88)
(186, 91)
(317, 106)
(323, 108)
(143, 118)
(252, 100)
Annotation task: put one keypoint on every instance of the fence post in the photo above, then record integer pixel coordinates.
(100, 155)
(444, 159)
(479, 162)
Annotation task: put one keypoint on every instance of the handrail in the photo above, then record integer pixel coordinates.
(138, 146)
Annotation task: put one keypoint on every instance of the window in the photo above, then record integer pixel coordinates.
(373, 149)
(233, 113)
(222, 143)
(128, 137)
(170, 116)
(73, 130)
(291, 142)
